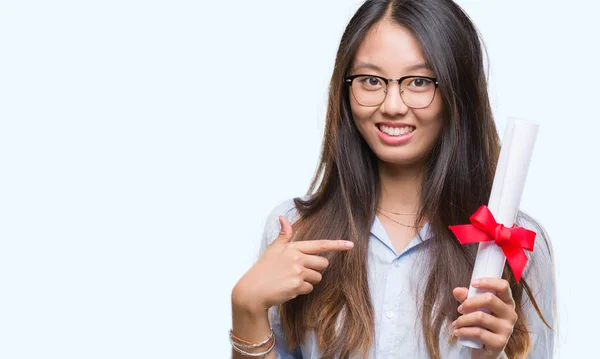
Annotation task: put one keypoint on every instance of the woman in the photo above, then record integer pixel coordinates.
(364, 266)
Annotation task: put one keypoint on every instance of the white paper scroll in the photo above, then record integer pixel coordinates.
(509, 180)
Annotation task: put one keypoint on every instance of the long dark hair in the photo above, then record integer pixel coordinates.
(345, 190)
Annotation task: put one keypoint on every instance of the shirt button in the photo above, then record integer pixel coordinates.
(389, 314)
(396, 263)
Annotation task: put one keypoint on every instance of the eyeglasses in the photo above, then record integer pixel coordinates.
(371, 90)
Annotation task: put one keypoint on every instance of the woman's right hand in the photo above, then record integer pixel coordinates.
(285, 270)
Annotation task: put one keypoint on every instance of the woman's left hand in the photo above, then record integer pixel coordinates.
(492, 329)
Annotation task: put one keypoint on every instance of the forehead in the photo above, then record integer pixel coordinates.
(390, 47)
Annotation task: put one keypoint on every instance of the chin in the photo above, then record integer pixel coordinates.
(399, 159)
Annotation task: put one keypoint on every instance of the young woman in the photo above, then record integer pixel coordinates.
(364, 265)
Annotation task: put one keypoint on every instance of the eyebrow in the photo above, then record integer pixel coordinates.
(367, 65)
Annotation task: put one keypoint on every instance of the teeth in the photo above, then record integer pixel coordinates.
(396, 131)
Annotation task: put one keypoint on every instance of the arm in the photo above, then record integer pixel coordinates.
(249, 324)
(540, 275)
(252, 324)
(542, 282)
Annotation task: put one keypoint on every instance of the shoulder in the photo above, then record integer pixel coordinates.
(539, 272)
(542, 258)
(540, 276)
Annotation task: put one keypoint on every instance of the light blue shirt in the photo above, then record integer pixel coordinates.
(394, 281)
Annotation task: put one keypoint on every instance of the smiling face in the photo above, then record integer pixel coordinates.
(396, 133)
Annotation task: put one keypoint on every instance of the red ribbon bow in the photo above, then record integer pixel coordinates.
(512, 240)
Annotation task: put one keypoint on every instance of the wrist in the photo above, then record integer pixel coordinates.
(245, 303)
(483, 354)
(250, 320)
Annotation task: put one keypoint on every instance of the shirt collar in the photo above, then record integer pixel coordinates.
(378, 231)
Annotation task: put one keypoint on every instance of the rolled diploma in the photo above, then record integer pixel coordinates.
(509, 180)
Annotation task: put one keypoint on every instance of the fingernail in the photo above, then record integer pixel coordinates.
(475, 282)
(349, 244)
(455, 332)
(454, 324)
(460, 308)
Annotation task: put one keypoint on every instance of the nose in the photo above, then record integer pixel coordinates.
(393, 103)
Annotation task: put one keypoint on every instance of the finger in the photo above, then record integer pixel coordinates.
(484, 320)
(489, 301)
(322, 245)
(285, 235)
(317, 263)
(498, 285)
(305, 288)
(312, 276)
(492, 341)
(460, 293)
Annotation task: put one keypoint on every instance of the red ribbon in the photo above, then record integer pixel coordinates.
(513, 240)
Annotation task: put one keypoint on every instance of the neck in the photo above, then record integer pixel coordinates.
(400, 187)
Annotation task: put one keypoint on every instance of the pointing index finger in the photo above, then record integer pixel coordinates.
(323, 245)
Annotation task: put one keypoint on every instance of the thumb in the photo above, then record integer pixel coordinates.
(460, 293)
(285, 235)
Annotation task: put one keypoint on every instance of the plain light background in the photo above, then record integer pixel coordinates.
(143, 143)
